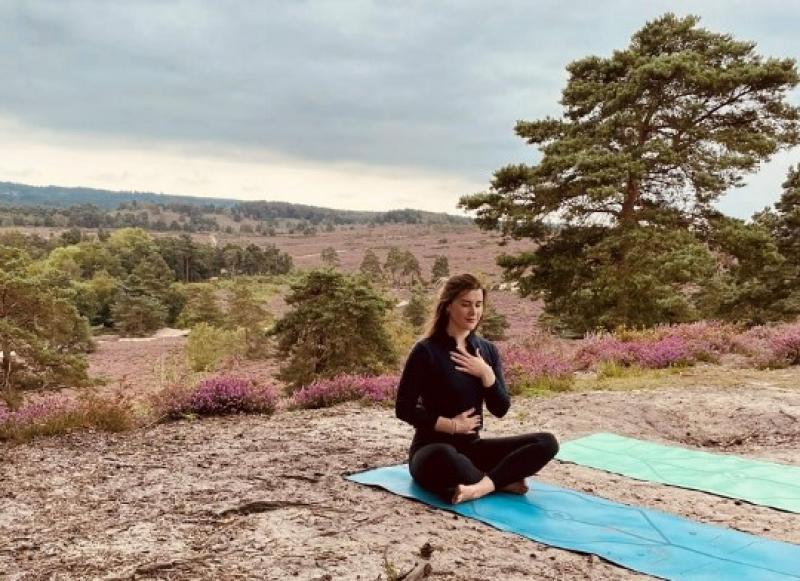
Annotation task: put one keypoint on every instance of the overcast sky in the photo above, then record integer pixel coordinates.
(348, 104)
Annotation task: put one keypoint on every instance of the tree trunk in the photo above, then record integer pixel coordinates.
(628, 215)
(6, 391)
(627, 220)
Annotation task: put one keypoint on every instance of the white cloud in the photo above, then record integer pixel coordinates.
(49, 158)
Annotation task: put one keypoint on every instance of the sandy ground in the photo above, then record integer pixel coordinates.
(265, 498)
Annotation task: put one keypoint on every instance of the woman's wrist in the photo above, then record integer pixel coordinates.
(488, 378)
(446, 425)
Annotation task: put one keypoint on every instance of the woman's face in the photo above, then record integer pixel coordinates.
(466, 310)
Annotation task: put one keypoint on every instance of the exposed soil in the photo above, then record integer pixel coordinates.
(265, 498)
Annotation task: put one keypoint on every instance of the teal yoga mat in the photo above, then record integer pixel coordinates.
(763, 483)
(637, 538)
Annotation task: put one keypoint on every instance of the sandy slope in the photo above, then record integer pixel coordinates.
(256, 497)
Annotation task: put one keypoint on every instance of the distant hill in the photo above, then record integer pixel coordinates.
(12, 194)
(21, 196)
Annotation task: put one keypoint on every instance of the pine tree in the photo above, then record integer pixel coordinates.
(201, 307)
(245, 312)
(152, 276)
(649, 139)
(441, 268)
(371, 267)
(42, 336)
(395, 260)
(337, 325)
(410, 268)
(330, 257)
(137, 315)
(493, 324)
(416, 311)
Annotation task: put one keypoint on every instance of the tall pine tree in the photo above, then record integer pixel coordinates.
(650, 137)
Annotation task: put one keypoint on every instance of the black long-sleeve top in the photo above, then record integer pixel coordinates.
(430, 386)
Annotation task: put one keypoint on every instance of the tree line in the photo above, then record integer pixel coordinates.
(52, 291)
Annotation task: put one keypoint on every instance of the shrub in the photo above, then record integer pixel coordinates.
(785, 344)
(246, 312)
(207, 346)
(657, 348)
(661, 353)
(771, 346)
(530, 369)
(58, 414)
(216, 396)
(706, 340)
(613, 370)
(200, 307)
(322, 393)
(602, 348)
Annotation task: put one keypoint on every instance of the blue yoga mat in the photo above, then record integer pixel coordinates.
(640, 539)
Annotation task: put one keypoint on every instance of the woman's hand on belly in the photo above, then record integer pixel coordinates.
(467, 422)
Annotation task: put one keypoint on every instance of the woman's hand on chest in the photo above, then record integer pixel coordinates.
(473, 365)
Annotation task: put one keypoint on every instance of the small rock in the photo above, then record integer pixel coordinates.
(426, 551)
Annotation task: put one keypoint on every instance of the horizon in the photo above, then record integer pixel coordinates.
(327, 104)
(214, 198)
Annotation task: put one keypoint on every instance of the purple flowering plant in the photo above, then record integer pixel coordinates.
(659, 347)
(536, 365)
(380, 389)
(771, 346)
(216, 396)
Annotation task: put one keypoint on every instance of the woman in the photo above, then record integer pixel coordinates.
(447, 378)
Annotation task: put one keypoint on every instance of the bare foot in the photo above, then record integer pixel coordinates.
(518, 487)
(465, 492)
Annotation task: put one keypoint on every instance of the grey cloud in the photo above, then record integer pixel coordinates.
(436, 85)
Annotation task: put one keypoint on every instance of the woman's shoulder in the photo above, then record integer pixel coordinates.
(424, 344)
(421, 346)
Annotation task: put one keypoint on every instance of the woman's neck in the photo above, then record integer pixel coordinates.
(460, 335)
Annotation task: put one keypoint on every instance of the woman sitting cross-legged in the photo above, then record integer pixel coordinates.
(447, 378)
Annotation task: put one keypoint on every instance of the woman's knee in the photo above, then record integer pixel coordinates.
(430, 456)
(549, 444)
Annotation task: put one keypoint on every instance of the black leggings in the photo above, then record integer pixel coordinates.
(441, 467)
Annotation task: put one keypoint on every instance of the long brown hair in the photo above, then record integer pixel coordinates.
(454, 286)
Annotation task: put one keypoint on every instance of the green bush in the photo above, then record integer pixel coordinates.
(207, 346)
(201, 307)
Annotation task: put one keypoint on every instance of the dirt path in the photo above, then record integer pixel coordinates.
(264, 498)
